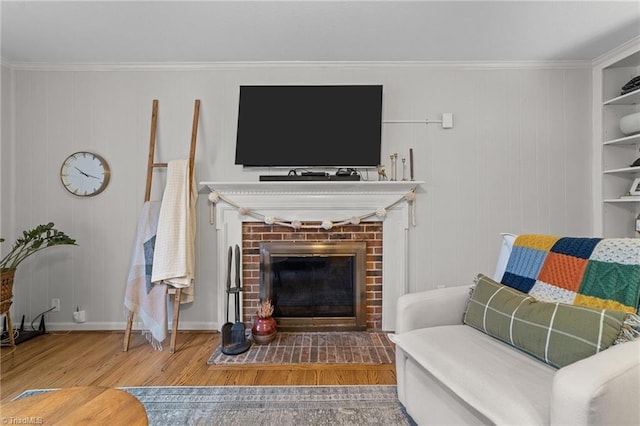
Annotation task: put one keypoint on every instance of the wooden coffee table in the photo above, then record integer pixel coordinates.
(72, 406)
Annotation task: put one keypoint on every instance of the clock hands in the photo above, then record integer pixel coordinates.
(81, 172)
(86, 174)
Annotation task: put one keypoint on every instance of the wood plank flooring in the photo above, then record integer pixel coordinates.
(60, 360)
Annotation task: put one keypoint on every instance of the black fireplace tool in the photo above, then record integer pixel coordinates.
(226, 328)
(234, 341)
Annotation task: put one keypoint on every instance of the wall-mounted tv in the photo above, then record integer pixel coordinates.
(309, 126)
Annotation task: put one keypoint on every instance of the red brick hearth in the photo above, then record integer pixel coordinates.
(254, 233)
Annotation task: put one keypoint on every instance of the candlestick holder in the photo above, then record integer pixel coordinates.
(404, 169)
(394, 166)
(411, 163)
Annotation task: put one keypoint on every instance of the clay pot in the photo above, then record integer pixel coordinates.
(264, 330)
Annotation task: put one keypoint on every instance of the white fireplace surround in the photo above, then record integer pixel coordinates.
(319, 201)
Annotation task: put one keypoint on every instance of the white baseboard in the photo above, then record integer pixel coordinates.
(115, 326)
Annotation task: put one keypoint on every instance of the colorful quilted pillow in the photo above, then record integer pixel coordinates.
(556, 333)
(596, 272)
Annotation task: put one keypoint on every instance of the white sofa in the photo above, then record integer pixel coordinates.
(452, 374)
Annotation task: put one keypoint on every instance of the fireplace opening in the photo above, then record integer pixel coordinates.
(309, 286)
(315, 286)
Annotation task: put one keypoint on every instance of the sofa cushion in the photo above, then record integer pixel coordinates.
(556, 333)
(601, 273)
(505, 385)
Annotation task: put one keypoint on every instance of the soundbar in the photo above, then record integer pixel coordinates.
(315, 178)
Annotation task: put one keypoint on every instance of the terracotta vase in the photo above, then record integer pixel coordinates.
(264, 330)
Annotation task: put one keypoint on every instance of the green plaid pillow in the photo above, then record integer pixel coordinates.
(556, 333)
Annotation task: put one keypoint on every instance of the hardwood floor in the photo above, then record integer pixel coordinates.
(60, 360)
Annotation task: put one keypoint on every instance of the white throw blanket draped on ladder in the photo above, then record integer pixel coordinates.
(164, 252)
(174, 254)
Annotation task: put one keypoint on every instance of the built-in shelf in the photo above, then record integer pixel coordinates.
(627, 99)
(624, 170)
(623, 200)
(627, 140)
(615, 152)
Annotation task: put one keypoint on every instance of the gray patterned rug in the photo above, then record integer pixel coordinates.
(270, 405)
(335, 347)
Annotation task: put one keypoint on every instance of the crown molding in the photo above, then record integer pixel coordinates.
(215, 66)
(616, 53)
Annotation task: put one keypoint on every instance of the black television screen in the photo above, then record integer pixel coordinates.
(307, 126)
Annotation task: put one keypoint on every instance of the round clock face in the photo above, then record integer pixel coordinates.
(85, 174)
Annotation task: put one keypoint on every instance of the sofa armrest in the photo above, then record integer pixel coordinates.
(442, 306)
(598, 390)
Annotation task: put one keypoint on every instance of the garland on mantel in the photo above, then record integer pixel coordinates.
(216, 197)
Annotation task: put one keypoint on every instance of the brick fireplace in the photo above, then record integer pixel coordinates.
(246, 213)
(254, 234)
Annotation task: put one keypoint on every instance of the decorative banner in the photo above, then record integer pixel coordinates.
(381, 213)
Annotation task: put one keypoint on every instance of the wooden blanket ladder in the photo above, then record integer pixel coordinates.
(174, 293)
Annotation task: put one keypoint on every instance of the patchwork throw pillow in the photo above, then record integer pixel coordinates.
(556, 333)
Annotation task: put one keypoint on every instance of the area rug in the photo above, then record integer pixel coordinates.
(348, 347)
(270, 405)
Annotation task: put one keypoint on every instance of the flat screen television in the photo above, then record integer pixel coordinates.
(309, 126)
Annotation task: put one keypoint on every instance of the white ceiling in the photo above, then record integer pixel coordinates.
(211, 31)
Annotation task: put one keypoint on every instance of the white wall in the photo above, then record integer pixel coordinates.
(518, 160)
(5, 134)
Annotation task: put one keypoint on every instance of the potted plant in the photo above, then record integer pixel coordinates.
(264, 327)
(38, 238)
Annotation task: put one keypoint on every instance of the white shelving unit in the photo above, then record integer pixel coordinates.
(626, 99)
(614, 151)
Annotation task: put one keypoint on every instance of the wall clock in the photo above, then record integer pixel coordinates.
(85, 174)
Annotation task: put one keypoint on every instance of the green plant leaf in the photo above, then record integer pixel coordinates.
(32, 241)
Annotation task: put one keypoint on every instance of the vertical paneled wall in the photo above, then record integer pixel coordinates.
(517, 160)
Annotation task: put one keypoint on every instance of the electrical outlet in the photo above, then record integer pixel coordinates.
(55, 304)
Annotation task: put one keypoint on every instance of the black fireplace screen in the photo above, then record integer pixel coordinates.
(315, 286)
(312, 286)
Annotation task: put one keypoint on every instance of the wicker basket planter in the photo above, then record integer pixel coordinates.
(28, 243)
(6, 290)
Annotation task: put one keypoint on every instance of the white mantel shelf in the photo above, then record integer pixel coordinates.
(311, 186)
